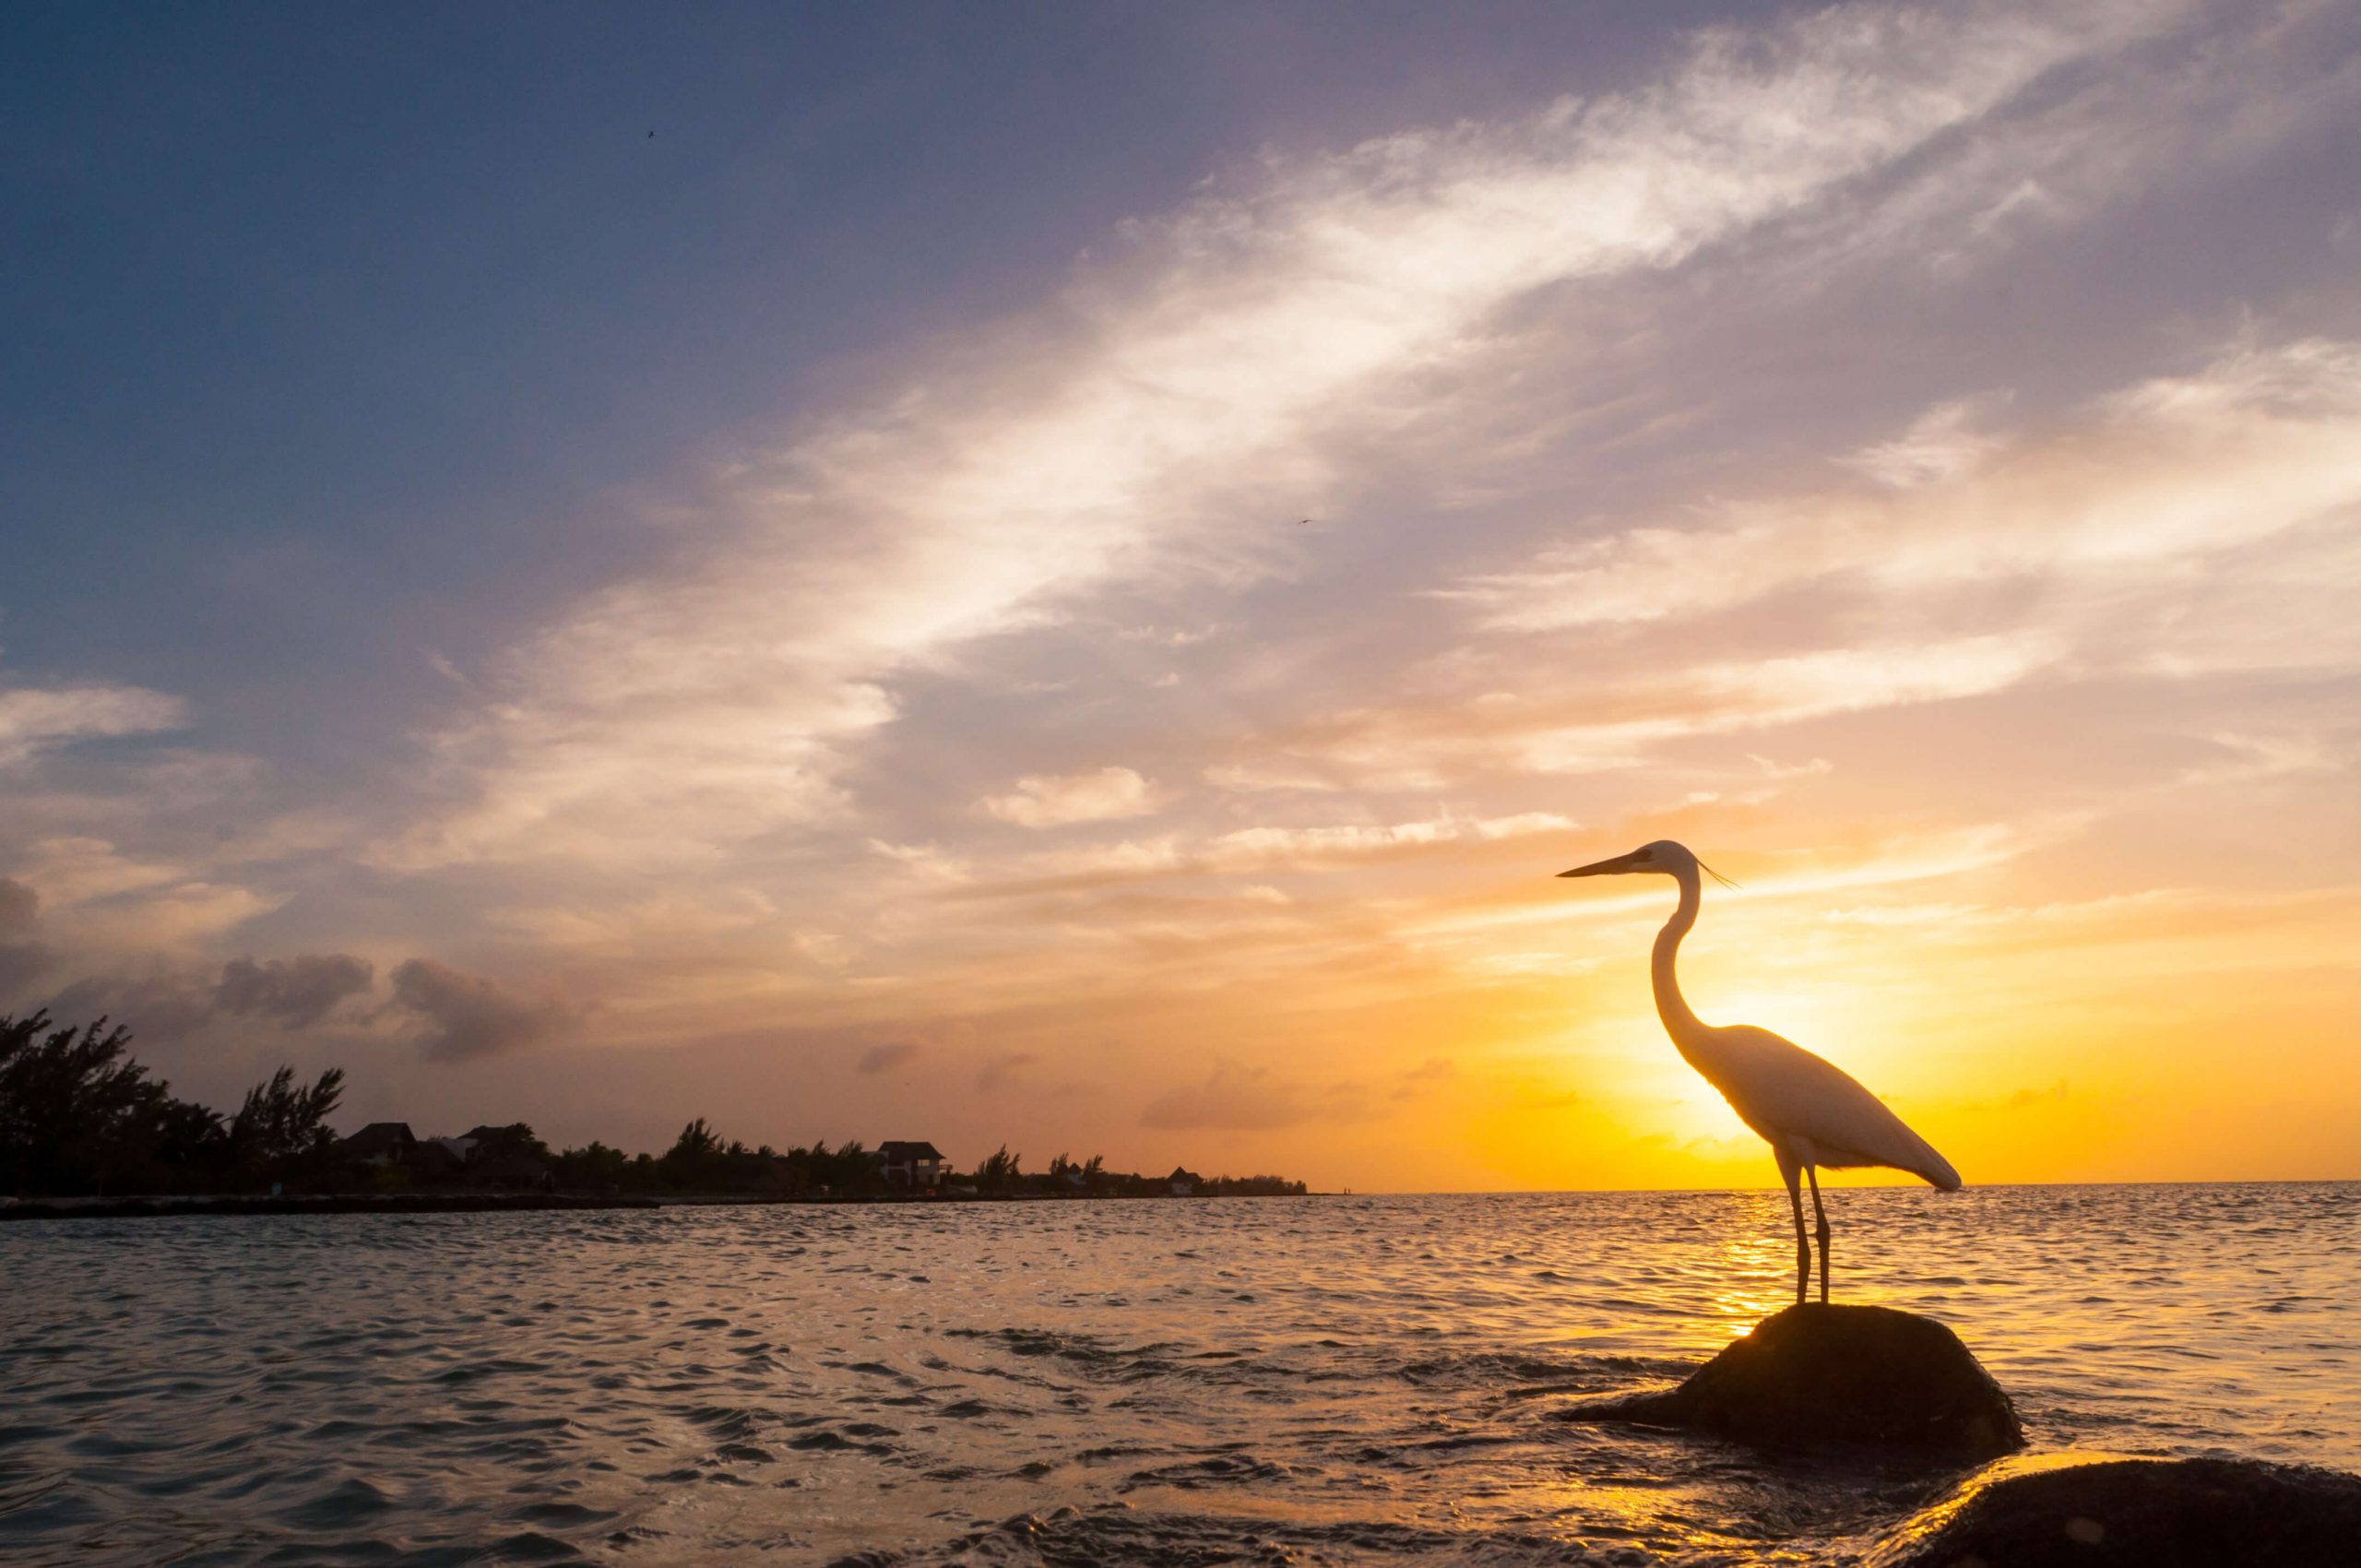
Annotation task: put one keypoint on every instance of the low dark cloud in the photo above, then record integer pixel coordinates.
(880, 1058)
(291, 993)
(465, 1016)
(1234, 1098)
(167, 1004)
(1421, 1080)
(22, 960)
(18, 905)
(157, 1007)
(21, 963)
(1002, 1068)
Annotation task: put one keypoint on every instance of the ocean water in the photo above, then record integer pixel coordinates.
(1276, 1382)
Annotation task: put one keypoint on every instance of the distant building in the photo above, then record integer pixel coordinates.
(379, 1144)
(918, 1166)
(1183, 1181)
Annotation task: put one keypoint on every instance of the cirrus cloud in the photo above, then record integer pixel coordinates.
(1137, 425)
(1101, 796)
(34, 720)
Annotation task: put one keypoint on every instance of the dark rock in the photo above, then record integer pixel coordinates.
(1821, 1375)
(2139, 1513)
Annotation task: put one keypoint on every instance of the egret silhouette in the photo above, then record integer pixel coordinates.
(1810, 1111)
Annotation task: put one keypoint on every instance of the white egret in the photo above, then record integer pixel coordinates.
(1810, 1111)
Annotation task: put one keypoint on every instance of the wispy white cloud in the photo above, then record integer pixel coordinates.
(98, 897)
(2260, 442)
(1551, 731)
(1105, 795)
(1945, 443)
(1258, 849)
(34, 720)
(1890, 860)
(1169, 414)
(1736, 696)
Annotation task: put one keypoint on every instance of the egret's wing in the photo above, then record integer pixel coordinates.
(1779, 1087)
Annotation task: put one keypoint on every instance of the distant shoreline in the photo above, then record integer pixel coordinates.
(202, 1206)
(198, 1207)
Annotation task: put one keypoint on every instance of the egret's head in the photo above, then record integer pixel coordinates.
(1664, 857)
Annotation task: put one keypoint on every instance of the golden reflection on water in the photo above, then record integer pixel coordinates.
(1234, 1380)
(1758, 1275)
(1752, 1268)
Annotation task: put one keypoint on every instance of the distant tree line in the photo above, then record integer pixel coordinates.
(699, 1161)
(79, 1117)
(1003, 1174)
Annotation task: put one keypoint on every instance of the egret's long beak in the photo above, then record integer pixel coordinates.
(1605, 868)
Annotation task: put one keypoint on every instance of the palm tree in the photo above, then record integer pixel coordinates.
(998, 1172)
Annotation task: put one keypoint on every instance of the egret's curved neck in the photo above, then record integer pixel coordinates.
(1678, 1021)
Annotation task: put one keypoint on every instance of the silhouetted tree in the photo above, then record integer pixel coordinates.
(593, 1168)
(511, 1156)
(193, 1148)
(281, 1133)
(697, 1141)
(75, 1110)
(999, 1171)
(79, 1115)
(517, 1141)
(689, 1161)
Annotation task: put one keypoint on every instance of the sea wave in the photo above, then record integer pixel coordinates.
(1314, 1381)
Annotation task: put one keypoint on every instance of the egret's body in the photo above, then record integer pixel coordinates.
(1811, 1112)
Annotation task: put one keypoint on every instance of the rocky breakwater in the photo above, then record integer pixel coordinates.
(1817, 1375)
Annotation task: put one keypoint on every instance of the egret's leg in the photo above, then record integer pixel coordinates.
(1787, 1172)
(1812, 1172)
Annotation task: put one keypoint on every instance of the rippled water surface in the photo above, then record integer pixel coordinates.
(1273, 1380)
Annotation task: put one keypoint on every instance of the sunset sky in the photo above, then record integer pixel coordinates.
(1069, 574)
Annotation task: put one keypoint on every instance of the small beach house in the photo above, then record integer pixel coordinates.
(915, 1165)
(380, 1144)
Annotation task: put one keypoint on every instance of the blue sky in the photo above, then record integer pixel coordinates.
(393, 306)
(629, 625)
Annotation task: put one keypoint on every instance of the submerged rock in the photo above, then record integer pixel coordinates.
(2139, 1513)
(1817, 1375)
